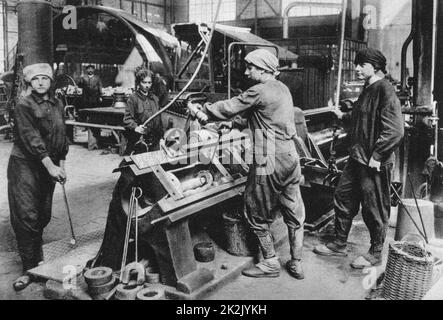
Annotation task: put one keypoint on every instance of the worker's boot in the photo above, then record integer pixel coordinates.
(332, 249)
(270, 266)
(294, 266)
(371, 259)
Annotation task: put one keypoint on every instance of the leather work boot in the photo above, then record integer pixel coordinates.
(331, 250)
(367, 260)
(268, 268)
(295, 269)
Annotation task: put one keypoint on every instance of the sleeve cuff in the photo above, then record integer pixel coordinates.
(43, 155)
(377, 156)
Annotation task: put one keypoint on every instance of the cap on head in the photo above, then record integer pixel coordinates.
(263, 59)
(38, 69)
(90, 66)
(372, 56)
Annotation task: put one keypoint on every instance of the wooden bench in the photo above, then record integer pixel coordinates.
(117, 131)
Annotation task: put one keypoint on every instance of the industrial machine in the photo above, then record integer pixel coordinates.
(182, 183)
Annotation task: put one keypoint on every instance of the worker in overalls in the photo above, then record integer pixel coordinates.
(377, 129)
(141, 105)
(36, 163)
(274, 176)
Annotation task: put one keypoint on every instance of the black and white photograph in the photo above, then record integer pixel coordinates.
(221, 154)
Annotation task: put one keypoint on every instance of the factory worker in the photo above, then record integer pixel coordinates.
(377, 128)
(141, 105)
(36, 163)
(273, 181)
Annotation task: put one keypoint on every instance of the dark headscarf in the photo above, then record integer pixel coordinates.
(372, 56)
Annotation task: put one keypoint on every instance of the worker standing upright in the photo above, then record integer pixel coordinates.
(36, 163)
(377, 130)
(91, 85)
(273, 180)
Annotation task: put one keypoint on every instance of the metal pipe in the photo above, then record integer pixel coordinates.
(342, 47)
(191, 57)
(306, 4)
(433, 64)
(404, 54)
(5, 35)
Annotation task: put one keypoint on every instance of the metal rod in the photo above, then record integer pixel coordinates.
(191, 57)
(128, 229)
(418, 208)
(410, 216)
(195, 73)
(433, 65)
(342, 48)
(73, 240)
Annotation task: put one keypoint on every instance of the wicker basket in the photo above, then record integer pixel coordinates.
(408, 271)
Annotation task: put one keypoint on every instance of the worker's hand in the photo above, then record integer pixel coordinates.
(225, 125)
(202, 117)
(57, 173)
(373, 164)
(140, 129)
(339, 114)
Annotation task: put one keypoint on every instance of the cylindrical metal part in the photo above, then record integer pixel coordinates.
(35, 35)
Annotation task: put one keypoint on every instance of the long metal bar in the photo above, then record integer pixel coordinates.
(433, 65)
(73, 240)
(195, 73)
(418, 208)
(5, 35)
(191, 57)
(342, 48)
(407, 212)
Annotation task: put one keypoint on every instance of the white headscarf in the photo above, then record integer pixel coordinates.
(263, 59)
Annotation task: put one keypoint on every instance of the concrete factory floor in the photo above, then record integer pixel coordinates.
(89, 190)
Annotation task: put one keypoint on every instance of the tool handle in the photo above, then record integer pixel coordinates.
(69, 212)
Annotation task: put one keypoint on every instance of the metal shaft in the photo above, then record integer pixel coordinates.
(410, 216)
(128, 228)
(418, 209)
(69, 214)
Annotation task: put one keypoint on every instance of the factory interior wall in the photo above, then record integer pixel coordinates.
(393, 25)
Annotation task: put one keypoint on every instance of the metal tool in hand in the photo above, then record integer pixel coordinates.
(73, 239)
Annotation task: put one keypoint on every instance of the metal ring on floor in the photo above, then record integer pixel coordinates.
(101, 289)
(151, 294)
(127, 292)
(98, 276)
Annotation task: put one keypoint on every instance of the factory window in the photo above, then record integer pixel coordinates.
(204, 10)
(305, 8)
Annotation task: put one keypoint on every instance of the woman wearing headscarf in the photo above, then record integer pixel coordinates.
(36, 163)
(141, 105)
(274, 176)
(377, 128)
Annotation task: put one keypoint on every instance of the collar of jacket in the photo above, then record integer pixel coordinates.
(143, 96)
(40, 100)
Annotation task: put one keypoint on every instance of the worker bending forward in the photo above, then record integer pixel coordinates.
(36, 163)
(377, 128)
(273, 181)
